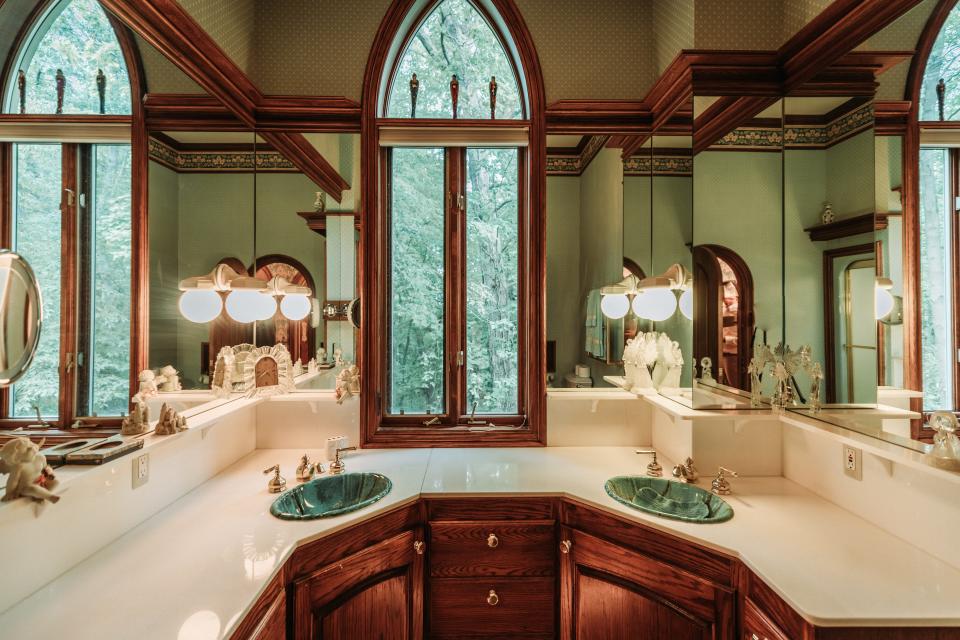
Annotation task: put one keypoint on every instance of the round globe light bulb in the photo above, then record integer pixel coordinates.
(295, 306)
(266, 307)
(686, 304)
(655, 304)
(244, 305)
(615, 305)
(200, 305)
(883, 303)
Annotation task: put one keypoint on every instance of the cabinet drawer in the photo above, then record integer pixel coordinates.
(517, 607)
(756, 626)
(494, 548)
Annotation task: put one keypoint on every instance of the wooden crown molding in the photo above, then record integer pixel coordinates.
(168, 27)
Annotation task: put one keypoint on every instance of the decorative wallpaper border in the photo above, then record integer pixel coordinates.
(217, 161)
(796, 136)
(569, 165)
(680, 166)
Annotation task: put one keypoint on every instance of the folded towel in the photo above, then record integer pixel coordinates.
(595, 343)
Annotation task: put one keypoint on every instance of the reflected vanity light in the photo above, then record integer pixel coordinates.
(656, 299)
(615, 298)
(250, 299)
(883, 299)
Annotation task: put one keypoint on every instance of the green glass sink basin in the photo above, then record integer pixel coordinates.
(669, 499)
(331, 496)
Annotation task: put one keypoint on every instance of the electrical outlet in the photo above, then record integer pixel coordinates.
(141, 470)
(853, 462)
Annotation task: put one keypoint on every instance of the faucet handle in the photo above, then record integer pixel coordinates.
(337, 465)
(653, 469)
(720, 485)
(276, 484)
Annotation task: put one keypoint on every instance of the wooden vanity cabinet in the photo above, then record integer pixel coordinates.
(492, 569)
(376, 593)
(610, 592)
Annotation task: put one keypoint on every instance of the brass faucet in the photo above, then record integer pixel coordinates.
(686, 472)
(337, 466)
(276, 484)
(653, 469)
(720, 486)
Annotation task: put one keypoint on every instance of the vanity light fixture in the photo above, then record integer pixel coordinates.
(883, 299)
(686, 302)
(656, 300)
(249, 299)
(615, 298)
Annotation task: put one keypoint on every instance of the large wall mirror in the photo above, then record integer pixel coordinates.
(736, 252)
(228, 200)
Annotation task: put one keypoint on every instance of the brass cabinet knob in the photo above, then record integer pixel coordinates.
(419, 547)
(492, 598)
(493, 541)
(565, 546)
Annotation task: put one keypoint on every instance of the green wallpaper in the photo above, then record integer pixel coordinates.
(564, 310)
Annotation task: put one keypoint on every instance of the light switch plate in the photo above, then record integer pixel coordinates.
(853, 462)
(141, 470)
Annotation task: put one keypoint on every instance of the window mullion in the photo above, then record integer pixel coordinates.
(68, 282)
(455, 299)
(954, 164)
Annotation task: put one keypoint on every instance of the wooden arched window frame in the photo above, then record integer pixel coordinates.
(910, 196)
(452, 429)
(708, 313)
(139, 293)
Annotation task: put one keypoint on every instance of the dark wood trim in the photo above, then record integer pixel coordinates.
(725, 115)
(533, 270)
(890, 117)
(829, 344)
(188, 112)
(910, 198)
(139, 207)
(334, 114)
(846, 227)
(68, 282)
(317, 221)
(305, 157)
(168, 27)
(837, 30)
(6, 233)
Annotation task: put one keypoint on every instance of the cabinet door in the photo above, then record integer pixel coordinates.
(608, 592)
(376, 593)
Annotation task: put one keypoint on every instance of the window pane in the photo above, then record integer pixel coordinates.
(455, 39)
(492, 276)
(109, 340)
(943, 62)
(36, 236)
(416, 282)
(77, 38)
(935, 281)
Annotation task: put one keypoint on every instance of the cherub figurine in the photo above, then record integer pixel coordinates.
(28, 473)
(762, 356)
(312, 366)
(170, 379)
(816, 380)
(348, 383)
(706, 369)
(639, 354)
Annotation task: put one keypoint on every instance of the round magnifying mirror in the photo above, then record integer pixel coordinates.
(21, 314)
(353, 312)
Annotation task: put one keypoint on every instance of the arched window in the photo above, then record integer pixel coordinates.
(76, 38)
(457, 348)
(70, 214)
(455, 39)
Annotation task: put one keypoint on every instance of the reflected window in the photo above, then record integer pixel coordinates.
(937, 236)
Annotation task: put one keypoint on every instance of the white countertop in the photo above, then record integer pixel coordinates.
(192, 570)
